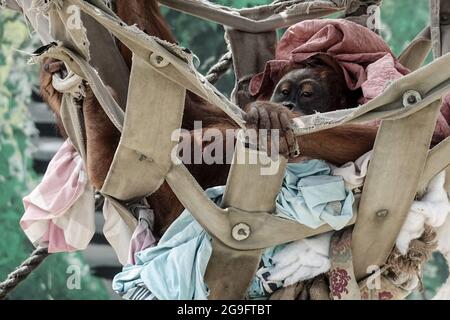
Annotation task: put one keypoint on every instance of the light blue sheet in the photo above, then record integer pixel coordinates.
(313, 197)
(174, 269)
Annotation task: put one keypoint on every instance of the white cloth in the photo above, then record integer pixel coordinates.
(117, 231)
(302, 260)
(354, 173)
(432, 210)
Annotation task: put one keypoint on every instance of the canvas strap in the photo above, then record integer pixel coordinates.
(400, 153)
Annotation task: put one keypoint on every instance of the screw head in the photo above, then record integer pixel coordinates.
(412, 99)
(241, 231)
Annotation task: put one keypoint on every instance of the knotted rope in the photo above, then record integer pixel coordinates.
(419, 252)
(220, 68)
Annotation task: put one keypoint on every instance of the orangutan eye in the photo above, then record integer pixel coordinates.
(285, 92)
(306, 94)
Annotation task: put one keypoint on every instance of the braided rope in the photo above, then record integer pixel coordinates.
(220, 68)
(31, 263)
(22, 272)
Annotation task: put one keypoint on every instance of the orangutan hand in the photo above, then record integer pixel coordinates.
(271, 116)
(49, 94)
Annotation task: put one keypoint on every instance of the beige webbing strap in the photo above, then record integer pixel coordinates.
(82, 34)
(230, 272)
(65, 28)
(447, 180)
(154, 112)
(106, 58)
(178, 62)
(125, 213)
(250, 54)
(438, 159)
(440, 26)
(72, 119)
(249, 189)
(218, 222)
(259, 19)
(400, 152)
(417, 51)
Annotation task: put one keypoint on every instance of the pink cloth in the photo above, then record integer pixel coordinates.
(142, 237)
(366, 60)
(442, 130)
(59, 212)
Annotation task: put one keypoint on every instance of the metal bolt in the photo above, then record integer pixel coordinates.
(158, 61)
(241, 231)
(412, 99)
(382, 213)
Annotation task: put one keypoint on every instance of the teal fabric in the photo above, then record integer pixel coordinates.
(174, 269)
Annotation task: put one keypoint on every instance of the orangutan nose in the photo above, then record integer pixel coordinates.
(289, 105)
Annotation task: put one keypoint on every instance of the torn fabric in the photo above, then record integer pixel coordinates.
(59, 212)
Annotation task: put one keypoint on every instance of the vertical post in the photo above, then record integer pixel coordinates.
(440, 26)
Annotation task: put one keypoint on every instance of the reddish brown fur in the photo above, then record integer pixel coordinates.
(102, 139)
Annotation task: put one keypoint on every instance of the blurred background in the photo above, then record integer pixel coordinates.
(28, 140)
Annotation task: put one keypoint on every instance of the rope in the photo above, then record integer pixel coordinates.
(31, 263)
(220, 68)
(420, 251)
(22, 272)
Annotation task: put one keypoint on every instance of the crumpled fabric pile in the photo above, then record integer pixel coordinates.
(432, 210)
(174, 269)
(60, 212)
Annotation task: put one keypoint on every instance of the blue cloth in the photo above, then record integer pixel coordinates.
(174, 269)
(313, 197)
